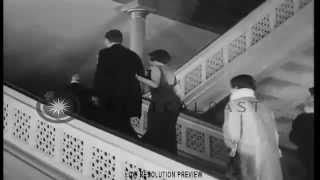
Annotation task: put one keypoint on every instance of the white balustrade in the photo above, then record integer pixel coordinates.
(247, 33)
(76, 149)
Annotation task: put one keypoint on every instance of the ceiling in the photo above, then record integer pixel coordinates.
(214, 15)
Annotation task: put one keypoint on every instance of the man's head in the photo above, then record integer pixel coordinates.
(49, 96)
(311, 91)
(243, 81)
(75, 78)
(309, 103)
(113, 36)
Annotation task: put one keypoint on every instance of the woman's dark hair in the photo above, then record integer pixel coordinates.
(243, 81)
(160, 55)
(114, 35)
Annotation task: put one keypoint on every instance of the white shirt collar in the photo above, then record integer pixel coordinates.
(112, 44)
(74, 81)
(240, 93)
(309, 109)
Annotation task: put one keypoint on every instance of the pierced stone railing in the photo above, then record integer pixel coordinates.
(76, 149)
(209, 62)
(201, 140)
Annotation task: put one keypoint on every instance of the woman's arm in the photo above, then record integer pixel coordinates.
(155, 78)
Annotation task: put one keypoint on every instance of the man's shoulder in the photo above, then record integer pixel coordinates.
(104, 50)
(124, 50)
(132, 53)
(303, 117)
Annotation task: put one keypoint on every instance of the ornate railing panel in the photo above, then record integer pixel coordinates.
(214, 64)
(260, 29)
(207, 64)
(201, 140)
(76, 149)
(5, 117)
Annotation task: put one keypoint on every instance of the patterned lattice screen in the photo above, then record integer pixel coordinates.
(214, 64)
(260, 29)
(237, 47)
(72, 152)
(195, 140)
(284, 12)
(21, 125)
(45, 138)
(103, 164)
(193, 79)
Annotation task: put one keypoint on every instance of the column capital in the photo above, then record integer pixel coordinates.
(136, 9)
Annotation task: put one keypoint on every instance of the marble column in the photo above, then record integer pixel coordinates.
(138, 30)
(138, 14)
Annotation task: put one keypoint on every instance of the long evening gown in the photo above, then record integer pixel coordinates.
(162, 116)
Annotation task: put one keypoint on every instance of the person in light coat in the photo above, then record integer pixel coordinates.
(250, 130)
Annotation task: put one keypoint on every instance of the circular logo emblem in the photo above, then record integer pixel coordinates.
(57, 109)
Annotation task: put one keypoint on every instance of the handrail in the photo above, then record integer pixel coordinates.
(212, 59)
(18, 104)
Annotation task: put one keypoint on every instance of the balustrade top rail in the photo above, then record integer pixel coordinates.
(104, 134)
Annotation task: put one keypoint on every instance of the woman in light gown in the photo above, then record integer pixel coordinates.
(250, 129)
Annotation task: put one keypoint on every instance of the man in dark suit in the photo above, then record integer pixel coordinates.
(302, 134)
(115, 84)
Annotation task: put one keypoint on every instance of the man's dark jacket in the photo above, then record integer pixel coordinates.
(302, 134)
(82, 95)
(115, 79)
